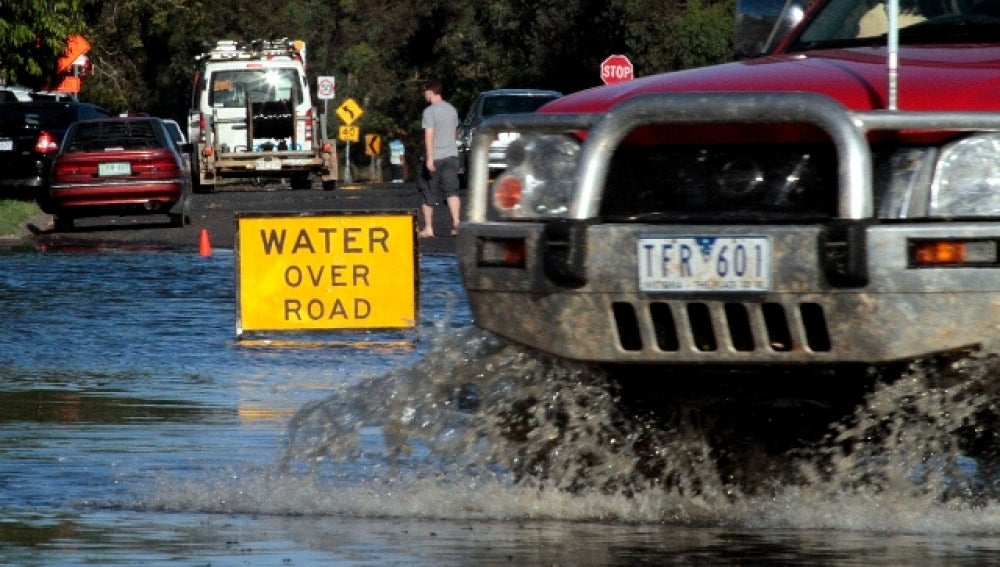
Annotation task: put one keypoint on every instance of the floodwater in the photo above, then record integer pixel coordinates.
(135, 429)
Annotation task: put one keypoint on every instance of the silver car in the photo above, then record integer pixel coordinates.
(494, 103)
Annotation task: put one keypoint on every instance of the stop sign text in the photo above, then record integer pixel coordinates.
(616, 69)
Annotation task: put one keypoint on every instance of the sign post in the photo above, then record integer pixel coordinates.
(349, 111)
(326, 89)
(373, 149)
(616, 69)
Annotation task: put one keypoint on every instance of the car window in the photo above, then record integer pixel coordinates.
(91, 112)
(513, 104)
(231, 89)
(174, 130)
(35, 116)
(846, 22)
(103, 135)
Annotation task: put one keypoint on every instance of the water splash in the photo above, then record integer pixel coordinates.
(931, 434)
(477, 404)
(483, 429)
(480, 404)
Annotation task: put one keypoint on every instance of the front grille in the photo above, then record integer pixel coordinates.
(712, 326)
(737, 183)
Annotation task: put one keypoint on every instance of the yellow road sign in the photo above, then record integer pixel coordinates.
(326, 271)
(373, 144)
(349, 134)
(349, 111)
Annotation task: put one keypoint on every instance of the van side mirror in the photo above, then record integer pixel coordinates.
(762, 24)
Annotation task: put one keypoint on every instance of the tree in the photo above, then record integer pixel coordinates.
(143, 52)
(703, 34)
(380, 51)
(33, 35)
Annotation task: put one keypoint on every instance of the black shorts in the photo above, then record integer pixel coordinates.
(440, 184)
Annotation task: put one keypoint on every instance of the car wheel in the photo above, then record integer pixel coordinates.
(301, 182)
(329, 185)
(180, 220)
(62, 223)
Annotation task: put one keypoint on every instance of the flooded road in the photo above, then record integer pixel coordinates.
(135, 429)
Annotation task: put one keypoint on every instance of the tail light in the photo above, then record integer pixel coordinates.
(46, 143)
(65, 168)
(309, 125)
(161, 165)
(201, 126)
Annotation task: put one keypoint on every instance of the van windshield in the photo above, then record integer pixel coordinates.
(237, 87)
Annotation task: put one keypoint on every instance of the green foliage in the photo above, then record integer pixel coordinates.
(143, 53)
(702, 34)
(32, 36)
(380, 51)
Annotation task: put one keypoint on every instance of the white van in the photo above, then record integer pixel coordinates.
(252, 116)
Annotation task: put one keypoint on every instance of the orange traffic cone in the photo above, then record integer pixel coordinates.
(204, 246)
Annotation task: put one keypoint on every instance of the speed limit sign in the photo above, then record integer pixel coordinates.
(326, 88)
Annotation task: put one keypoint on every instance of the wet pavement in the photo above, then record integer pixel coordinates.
(214, 213)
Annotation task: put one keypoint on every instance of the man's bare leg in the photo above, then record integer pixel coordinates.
(455, 208)
(428, 230)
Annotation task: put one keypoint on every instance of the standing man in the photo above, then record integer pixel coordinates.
(440, 175)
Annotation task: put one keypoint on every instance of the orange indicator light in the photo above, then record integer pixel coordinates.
(507, 192)
(954, 252)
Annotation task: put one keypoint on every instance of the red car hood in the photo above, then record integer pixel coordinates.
(954, 77)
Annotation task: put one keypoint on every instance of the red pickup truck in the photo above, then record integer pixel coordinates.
(833, 199)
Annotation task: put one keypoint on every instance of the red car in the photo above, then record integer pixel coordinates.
(118, 166)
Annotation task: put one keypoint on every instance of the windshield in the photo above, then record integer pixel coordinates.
(852, 22)
(52, 117)
(514, 104)
(235, 88)
(102, 135)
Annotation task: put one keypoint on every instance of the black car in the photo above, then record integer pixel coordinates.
(30, 136)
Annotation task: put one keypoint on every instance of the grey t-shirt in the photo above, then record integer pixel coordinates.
(443, 118)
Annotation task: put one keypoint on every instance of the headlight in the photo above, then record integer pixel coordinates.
(540, 179)
(967, 179)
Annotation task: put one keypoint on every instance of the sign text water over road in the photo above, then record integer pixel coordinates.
(326, 271)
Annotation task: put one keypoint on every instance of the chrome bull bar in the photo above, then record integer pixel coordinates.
(843, 242)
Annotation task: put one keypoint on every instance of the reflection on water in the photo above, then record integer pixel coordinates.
(135, 429)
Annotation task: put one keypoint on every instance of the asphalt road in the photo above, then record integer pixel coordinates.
(216, 213)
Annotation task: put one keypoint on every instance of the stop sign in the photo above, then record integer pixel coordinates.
(616, 69)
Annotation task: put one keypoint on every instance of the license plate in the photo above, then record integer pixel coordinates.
(6, 145)
(705, 264)
(115, 168)
(271, 164)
